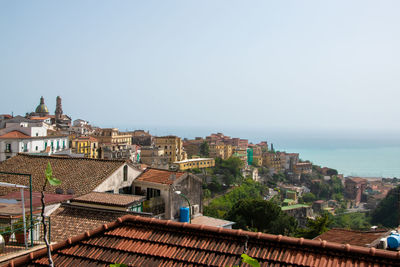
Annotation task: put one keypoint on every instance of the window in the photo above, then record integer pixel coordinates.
(125, 190)
(125, 173)
(8, 147)
(151, 192)
(136, 208)
(37, 134)
(37, 148)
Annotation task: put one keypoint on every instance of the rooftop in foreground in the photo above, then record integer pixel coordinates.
(139, 241)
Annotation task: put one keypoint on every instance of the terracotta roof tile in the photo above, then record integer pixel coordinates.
(138, 241)
(353, 237)
(69, 220)
(14, 134)
(158, 176)
(109, 199)
(82, 175)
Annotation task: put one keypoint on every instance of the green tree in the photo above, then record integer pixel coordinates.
(261, 215)
(220, 206)
(315, 227)
(331, 172)
(309, 197)
(355, 221)
(230, 169)
(386, 213)
(204, 149)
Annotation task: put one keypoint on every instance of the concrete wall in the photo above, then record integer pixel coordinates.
(116, 180)
(192, 189)
(189, 186)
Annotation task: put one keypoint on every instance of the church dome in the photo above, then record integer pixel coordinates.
(42, 108)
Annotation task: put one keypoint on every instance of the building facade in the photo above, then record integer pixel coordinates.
(173, 147)
(198, 163)
(86, 145)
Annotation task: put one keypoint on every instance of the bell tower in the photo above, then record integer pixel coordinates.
(58, 111)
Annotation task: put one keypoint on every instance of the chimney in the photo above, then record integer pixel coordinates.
(172, 177)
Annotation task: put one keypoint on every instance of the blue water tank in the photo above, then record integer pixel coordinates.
(184, 214)
(393, 241)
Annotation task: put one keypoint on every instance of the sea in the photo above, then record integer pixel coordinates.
(352, 153)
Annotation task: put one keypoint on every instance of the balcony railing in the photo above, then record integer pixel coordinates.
(7, 150)
(14, 238)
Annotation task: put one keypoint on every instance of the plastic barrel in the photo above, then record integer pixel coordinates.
(393, 241)
(184, 214)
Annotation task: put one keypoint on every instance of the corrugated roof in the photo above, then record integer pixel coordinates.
(159, 176)
(82, 175)
(138, 241)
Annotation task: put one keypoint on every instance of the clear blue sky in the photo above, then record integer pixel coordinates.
(264, 65)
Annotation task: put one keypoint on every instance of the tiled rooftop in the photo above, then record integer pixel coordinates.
(14, 134)
(68, 220)
(138, 241)
(109, 199)
(158, 176)
(357, 180)
(210, 221)
(352, 237)
(82, 175)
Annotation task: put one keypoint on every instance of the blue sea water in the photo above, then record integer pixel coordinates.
(365, 154)
(364, 162)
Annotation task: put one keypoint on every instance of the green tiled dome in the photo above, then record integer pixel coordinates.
(42, 108)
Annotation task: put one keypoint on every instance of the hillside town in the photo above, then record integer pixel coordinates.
(180, 189)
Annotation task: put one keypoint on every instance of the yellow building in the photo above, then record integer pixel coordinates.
(217, 151)
(86, 145)
(113, 136)
(220, 150)
(198, 163)
(272, 161)
(173, 147)
(227, 151)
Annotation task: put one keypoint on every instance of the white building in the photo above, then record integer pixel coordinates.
(15, 142)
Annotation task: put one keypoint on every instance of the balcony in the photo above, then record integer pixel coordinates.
(13, 234)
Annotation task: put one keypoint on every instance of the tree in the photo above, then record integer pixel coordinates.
(386, 213)
(355, 221)
(309, 197)
(204, 149)
(261, 215)
(220, 206)
(331, 172)
(230, 169)
(315, 227)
